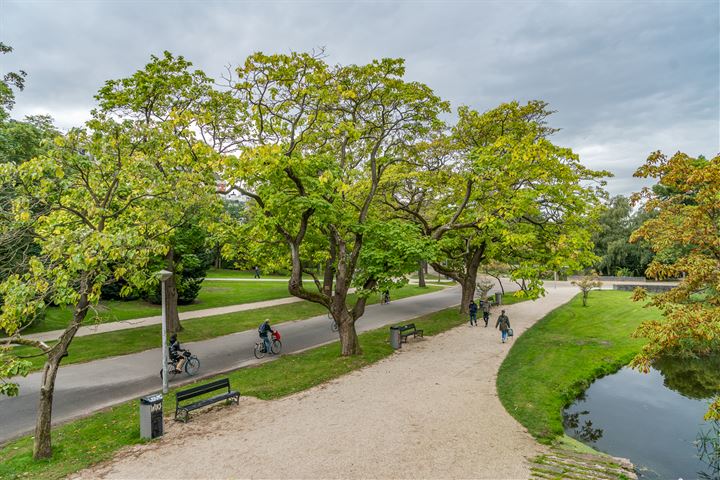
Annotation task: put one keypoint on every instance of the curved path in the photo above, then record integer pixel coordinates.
(429, 411)
(86, 387)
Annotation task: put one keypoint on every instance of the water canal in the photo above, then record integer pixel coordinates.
(654, 419)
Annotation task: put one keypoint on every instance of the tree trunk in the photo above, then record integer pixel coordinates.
(171, 296)
(421, 276)
(468, 293)
(349, 342)
(218, 257)
(42, 447)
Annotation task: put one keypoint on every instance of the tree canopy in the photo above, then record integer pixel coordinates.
(687, 224)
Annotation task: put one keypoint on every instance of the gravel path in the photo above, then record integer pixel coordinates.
(429, 411)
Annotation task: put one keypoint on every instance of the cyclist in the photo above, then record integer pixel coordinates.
(386, 296)
(175, 356)
(264, 330)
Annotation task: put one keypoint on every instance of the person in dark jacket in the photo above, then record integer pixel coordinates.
(264, 330)
(473, 308)
(503, 323)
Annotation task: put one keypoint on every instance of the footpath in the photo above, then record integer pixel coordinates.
(429, 411)
(157, 319)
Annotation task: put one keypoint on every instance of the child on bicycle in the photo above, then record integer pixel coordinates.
(175, 357)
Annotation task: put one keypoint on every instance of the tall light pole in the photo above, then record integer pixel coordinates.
(164, 275)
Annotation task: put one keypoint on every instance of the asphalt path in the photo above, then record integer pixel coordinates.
(83, 388)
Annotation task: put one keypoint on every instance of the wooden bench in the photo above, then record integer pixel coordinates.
(183, 395)
(407, 330)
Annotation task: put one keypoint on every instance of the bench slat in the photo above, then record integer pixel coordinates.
(209, 401)
(202, 389)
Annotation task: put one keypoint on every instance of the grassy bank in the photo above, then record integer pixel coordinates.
(132, 340)
(557, 358)
(82, 443)
(212, 294)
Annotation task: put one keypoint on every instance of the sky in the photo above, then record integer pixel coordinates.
(626, 78)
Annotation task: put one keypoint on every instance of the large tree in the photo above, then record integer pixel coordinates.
(100, 203)
(687, 224)
(497, 189)
(169, 102)
(317, 142)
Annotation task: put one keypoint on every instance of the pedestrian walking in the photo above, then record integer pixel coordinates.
(503, 323)
(256, 269)
(473, 308)
(486, 311)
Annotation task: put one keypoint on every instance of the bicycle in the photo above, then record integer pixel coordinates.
(191, 367)
(275, 346)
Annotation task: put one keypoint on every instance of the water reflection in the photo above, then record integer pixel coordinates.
(581, 430)
(697, 378)
(654, 419)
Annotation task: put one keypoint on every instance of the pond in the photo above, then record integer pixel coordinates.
(653, 419)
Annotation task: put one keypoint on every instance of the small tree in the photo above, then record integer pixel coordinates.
(484, 286)
(587, 283)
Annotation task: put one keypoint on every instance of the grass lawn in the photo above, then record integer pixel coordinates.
(229, 273)
(81, 443)
(556, 359)
(121, 342)
(212, 294)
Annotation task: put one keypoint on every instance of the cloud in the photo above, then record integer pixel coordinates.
(626, 78)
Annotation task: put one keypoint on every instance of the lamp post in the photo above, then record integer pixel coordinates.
(164, 275)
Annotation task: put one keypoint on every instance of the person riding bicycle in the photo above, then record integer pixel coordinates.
(264, 330)
(175, 356)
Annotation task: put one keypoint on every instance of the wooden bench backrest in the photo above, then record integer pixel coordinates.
(409, 326)
(202, 389)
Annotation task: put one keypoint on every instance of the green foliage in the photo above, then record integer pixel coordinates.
(557, 358)
(192, 260)
(9, 81)
(497, 190)
(618, 256)
(684, 232)
(11, 366)
(101, 200)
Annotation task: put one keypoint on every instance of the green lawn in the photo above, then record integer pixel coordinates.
(121, 342)
(557, 358)
(84, 442)
(212, 294)
(228, 273)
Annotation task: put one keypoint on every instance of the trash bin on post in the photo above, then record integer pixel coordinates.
(151, 416)
(498, 298)
(395, 337)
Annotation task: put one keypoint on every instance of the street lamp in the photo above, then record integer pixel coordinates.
(163, 276)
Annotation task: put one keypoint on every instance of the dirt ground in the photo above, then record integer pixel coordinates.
(429, 411)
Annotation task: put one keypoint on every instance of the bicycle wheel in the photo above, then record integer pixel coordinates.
(276, 346)
(171, 371)
(334, 326)
(192, 365)
(259, 350)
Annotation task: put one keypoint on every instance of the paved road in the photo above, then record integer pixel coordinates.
(84, 388)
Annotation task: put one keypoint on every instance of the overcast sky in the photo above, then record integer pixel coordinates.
(626, 77)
